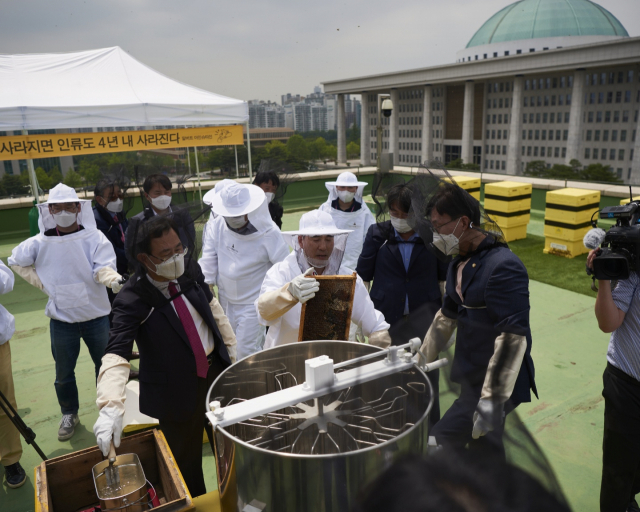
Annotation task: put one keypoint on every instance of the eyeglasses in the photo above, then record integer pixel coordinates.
(66, 207)
(183, 253)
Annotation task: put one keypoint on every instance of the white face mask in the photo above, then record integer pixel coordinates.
(172, 268)
(236, 222)
(346, 196)
(447, 244)
(115, 206)
(161, 202)
(270, 196)
(65, 219)
(401, 225)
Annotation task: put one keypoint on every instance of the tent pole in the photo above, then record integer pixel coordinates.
(188, 164)
(195, 152)
(32, 175)
(249, 152)
(235, 148)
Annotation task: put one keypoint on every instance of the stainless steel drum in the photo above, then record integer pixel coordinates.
(315, 456)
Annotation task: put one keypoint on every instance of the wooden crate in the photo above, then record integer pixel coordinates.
(65, 483)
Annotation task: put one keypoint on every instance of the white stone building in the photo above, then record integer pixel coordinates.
(540, 80)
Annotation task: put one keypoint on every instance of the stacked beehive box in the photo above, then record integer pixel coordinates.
(509, 204)
(566, 220)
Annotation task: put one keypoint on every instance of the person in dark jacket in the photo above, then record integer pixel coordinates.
(185, 342)
(269, 182)
(111, 220)
(487, 298)
(407, 278)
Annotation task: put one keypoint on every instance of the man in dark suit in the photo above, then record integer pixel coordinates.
(184, 339)
(406, 276)
(487, 296)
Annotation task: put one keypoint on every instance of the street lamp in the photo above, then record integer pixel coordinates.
(385, 106)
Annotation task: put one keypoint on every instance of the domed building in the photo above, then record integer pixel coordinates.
(550, 80)
(530, 26)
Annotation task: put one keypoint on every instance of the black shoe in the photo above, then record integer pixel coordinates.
(133, 375)
(15, 475)
(134, 355)
(633, 506)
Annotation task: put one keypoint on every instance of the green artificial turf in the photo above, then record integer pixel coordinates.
(566, 273)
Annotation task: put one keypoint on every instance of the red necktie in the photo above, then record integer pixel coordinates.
(202, 365)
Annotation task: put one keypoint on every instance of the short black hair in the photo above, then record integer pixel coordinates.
(152, 179)
(102, 185)
(152, 229)
(455, 202)
(266, 177)
(400, 196)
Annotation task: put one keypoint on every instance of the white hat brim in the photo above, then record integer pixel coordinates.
(318, 231)
(346, 183)
(256, 198)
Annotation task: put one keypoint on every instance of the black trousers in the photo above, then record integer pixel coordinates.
(621, 442)
(456, 426)
(185, 437)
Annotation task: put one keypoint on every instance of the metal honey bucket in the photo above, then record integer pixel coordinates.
(131, 495)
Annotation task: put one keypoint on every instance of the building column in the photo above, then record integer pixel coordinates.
(635, 163)
(467, 123)
(575, 116)
(514, 156)
(394, 135)
(342, 134)
(427, 125)
(365, 130)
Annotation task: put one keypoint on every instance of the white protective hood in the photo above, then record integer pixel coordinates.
(358, 222)
(61, 193)
(345, 179)
(104, 87)
(237, 199)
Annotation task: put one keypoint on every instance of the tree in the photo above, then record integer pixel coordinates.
(73, 179)
(354, 134)
(455, 164)
(56, 176)
(276, 150)
(332, 153)
(317, 149)
(13, 185)
(600, 172)
(353, 150)
(297, 149)
(43, 179)
(535, 168)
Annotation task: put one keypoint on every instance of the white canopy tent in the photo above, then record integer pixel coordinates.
(103, 88)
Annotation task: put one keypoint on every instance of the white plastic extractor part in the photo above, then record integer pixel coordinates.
(318, 372)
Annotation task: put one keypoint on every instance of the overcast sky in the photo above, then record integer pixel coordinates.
(260, 49)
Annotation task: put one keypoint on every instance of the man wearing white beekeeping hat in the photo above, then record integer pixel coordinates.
(318, 248)
(348, 210)
(72, 262)
(240, 247)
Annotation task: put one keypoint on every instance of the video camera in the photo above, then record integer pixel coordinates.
(619, 254)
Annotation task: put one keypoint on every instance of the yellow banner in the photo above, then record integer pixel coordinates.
(69, 144)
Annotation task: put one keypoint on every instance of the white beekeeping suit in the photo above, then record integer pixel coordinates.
(237, 255)
(208, 227)
(357, 221)
(72, 270)
(278, 308)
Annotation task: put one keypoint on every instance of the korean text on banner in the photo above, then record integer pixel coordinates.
(65, 144)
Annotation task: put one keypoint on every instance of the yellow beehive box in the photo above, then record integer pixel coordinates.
(626, 201)
(557, 230)
(564, 248)
(471, 185)
(509, 221)
(515, 233)
(572, 206)
(507, 197)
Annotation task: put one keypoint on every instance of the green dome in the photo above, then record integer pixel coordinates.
(533, 19)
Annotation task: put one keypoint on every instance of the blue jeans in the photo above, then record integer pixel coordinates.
(65, 347)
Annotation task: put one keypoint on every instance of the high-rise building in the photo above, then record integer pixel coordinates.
(265, 115)
(551, 81)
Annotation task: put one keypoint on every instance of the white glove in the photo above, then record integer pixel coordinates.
(304, 288)
(116, 286)
(107, 426)
(380, 339)
(109, 277)
(488, 416)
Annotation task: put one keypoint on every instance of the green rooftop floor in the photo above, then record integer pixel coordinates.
(568, 350)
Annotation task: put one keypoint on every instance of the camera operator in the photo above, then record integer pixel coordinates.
(618, 313)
